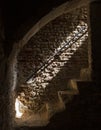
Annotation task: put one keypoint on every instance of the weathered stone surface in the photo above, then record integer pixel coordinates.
(44, 43)
(40, 48)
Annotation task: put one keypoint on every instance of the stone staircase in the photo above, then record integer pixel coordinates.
(33, 90)
(83, 112)
(42, 117)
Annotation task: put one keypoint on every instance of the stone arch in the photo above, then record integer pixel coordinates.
(62, 9)
(66, 7)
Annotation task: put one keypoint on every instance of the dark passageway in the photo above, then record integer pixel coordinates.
(66, 94)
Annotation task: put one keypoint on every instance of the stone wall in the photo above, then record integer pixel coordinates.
(43, 44)
(1, 37)
(5, 118)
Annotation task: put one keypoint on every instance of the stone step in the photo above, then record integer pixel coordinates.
(54, 108)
